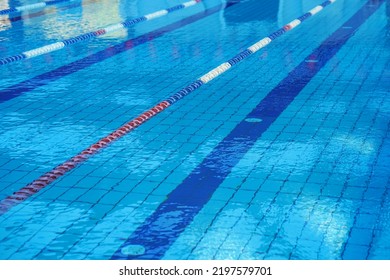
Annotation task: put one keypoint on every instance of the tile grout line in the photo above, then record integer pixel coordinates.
(60, 170)
(43, 79)
(93, 34)
(185, 202)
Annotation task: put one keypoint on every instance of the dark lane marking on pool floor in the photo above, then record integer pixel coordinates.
(114, 27)
(171, 218)
(62, 71)
(46, 179)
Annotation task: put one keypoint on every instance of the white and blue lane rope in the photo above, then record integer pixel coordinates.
(105, 30)
(244, 54)
(60, 170)
(29, 7)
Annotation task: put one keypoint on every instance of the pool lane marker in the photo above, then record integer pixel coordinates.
(29, 7)
(59, 171)
(46, 78)
(35, 186)
(93, 34)
(34, 14)
(161, 229)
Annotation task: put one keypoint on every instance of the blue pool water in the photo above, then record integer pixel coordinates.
(284, 156)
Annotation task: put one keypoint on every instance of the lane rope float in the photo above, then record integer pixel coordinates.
(83, 37)
(29, 7)
(51, 76)
(42, 12)
(59, 171)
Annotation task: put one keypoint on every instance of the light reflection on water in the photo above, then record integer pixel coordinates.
(31, 141)
(262, 224)
(4, 19)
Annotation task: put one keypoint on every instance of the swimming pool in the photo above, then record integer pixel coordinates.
(284, 156)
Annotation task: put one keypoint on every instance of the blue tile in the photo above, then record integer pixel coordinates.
(243, 196)
(92, 196)
(72, 194)
(359, 236)
(318, 173)
(306, 250)
(271, 186)
(367, 221)
(312, 189)
(292, 187)
(280, 249)
(355, 252)
(354, 193)
(98, 211)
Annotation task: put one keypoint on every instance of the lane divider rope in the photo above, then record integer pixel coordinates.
(154, 237)
(38, 13)
(34, 6)
(60, 170)
(83, 37)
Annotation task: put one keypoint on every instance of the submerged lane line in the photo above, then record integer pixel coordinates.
(171, 218)
(60, 170)
(35, 6)
(93, 34)
(67, 69)
(70, 5)
(40, 183)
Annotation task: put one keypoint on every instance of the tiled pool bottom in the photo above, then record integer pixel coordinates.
(314, 185)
